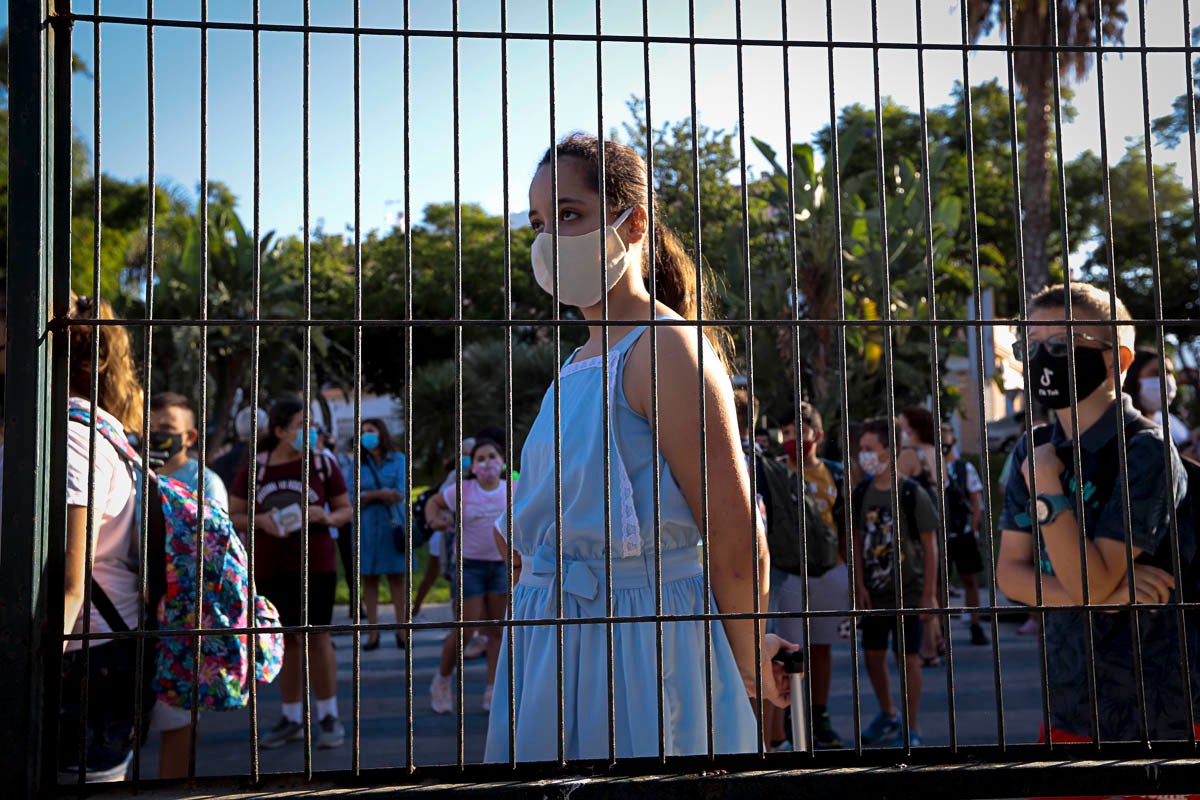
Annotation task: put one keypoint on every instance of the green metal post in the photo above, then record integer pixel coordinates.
(34, 458)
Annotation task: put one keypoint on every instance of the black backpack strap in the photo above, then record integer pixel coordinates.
(857, 496)
(106, 608)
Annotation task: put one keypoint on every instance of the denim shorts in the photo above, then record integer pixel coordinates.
(481, 577)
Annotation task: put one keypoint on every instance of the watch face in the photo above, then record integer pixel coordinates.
(1043, 510)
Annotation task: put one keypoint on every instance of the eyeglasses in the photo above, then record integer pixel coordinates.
(1056, 345)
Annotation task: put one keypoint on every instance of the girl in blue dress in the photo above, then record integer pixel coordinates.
(384, 501)
(735, 544)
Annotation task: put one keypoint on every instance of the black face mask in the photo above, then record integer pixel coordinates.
(1051, 378)
(164, 446)
(947, 449)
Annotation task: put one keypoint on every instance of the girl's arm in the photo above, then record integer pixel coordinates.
(438, 514)
(340, 511)
(736, 543)
(75, 570)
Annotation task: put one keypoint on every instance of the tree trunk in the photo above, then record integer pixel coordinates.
(1035, 194)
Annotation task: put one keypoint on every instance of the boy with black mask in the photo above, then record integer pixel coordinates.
(1052, 501)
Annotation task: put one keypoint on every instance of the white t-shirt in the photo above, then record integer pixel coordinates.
(480, 509)
(114, 544)
(973, 483)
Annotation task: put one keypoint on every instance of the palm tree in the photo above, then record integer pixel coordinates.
(1031, 26)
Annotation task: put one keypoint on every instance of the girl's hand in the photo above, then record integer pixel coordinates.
(266, 524)
(776, 683)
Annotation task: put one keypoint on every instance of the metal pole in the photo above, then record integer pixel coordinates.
(29, 649)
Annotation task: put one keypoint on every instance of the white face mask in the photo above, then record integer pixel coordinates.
(871, 464)
(1150, 393)
(580, 275)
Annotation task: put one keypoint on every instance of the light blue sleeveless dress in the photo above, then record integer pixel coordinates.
(585, 655)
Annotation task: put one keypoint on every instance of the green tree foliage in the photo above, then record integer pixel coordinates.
(1133, 239)
(1076, 24)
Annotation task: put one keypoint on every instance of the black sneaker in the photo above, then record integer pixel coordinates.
(284, 731)
(977, 635)
(824, 736)
(332, 734)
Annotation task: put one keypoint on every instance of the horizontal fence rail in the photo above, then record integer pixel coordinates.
(679, 402)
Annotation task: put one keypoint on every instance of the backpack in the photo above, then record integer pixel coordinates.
(172, 574)
(812, 549)
(957, 499)
(908, 507)
(421, 532)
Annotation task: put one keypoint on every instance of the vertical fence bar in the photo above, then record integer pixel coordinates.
(608, 398)
(143, 525)
(977, 336)
(255, 383)
(355, 532)
(39, 241)
(703, 432)
(202, 410)
(510, 444)
(557, 319)
(93, 394)
(409, 733)
(457, 632)
(940, 469)
(652, 246)
(756, 578)
(834, 158)
(1076, 448)
(1023, 315)
(797, 372)
(1169, 466)
(889, 378)
(306, 381)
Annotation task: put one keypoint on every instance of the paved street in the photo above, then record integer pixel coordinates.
(224, 743)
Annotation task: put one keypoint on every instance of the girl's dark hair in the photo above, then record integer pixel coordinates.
(625, 186)
(385, 438)
(482, 443)
(1141, 357)
(921, 421)
(280, 416)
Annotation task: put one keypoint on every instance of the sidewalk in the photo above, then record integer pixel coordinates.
(223, 745)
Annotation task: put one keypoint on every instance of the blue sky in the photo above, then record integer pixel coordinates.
(230, 134)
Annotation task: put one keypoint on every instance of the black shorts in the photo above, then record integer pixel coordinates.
(963, 553)
(876, 629)
(286, 591)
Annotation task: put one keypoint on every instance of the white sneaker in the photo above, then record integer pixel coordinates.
(487, 698)
(476, 648)
(440, 695)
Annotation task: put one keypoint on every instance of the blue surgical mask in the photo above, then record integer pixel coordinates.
(370, 440)
(466, 463)
(312, 440)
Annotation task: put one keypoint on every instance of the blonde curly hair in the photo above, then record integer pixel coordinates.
(119, 391)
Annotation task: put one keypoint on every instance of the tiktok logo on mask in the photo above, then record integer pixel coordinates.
(1047, 381)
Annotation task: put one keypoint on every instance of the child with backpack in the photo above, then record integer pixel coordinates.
(278, 509)
(1046, 490)
(824, 577)
(877, 551)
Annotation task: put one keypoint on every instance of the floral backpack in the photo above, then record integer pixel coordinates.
(173, 574)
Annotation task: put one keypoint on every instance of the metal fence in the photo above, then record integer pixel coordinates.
(1003, 761)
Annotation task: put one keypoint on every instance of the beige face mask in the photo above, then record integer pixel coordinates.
(580, 272)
